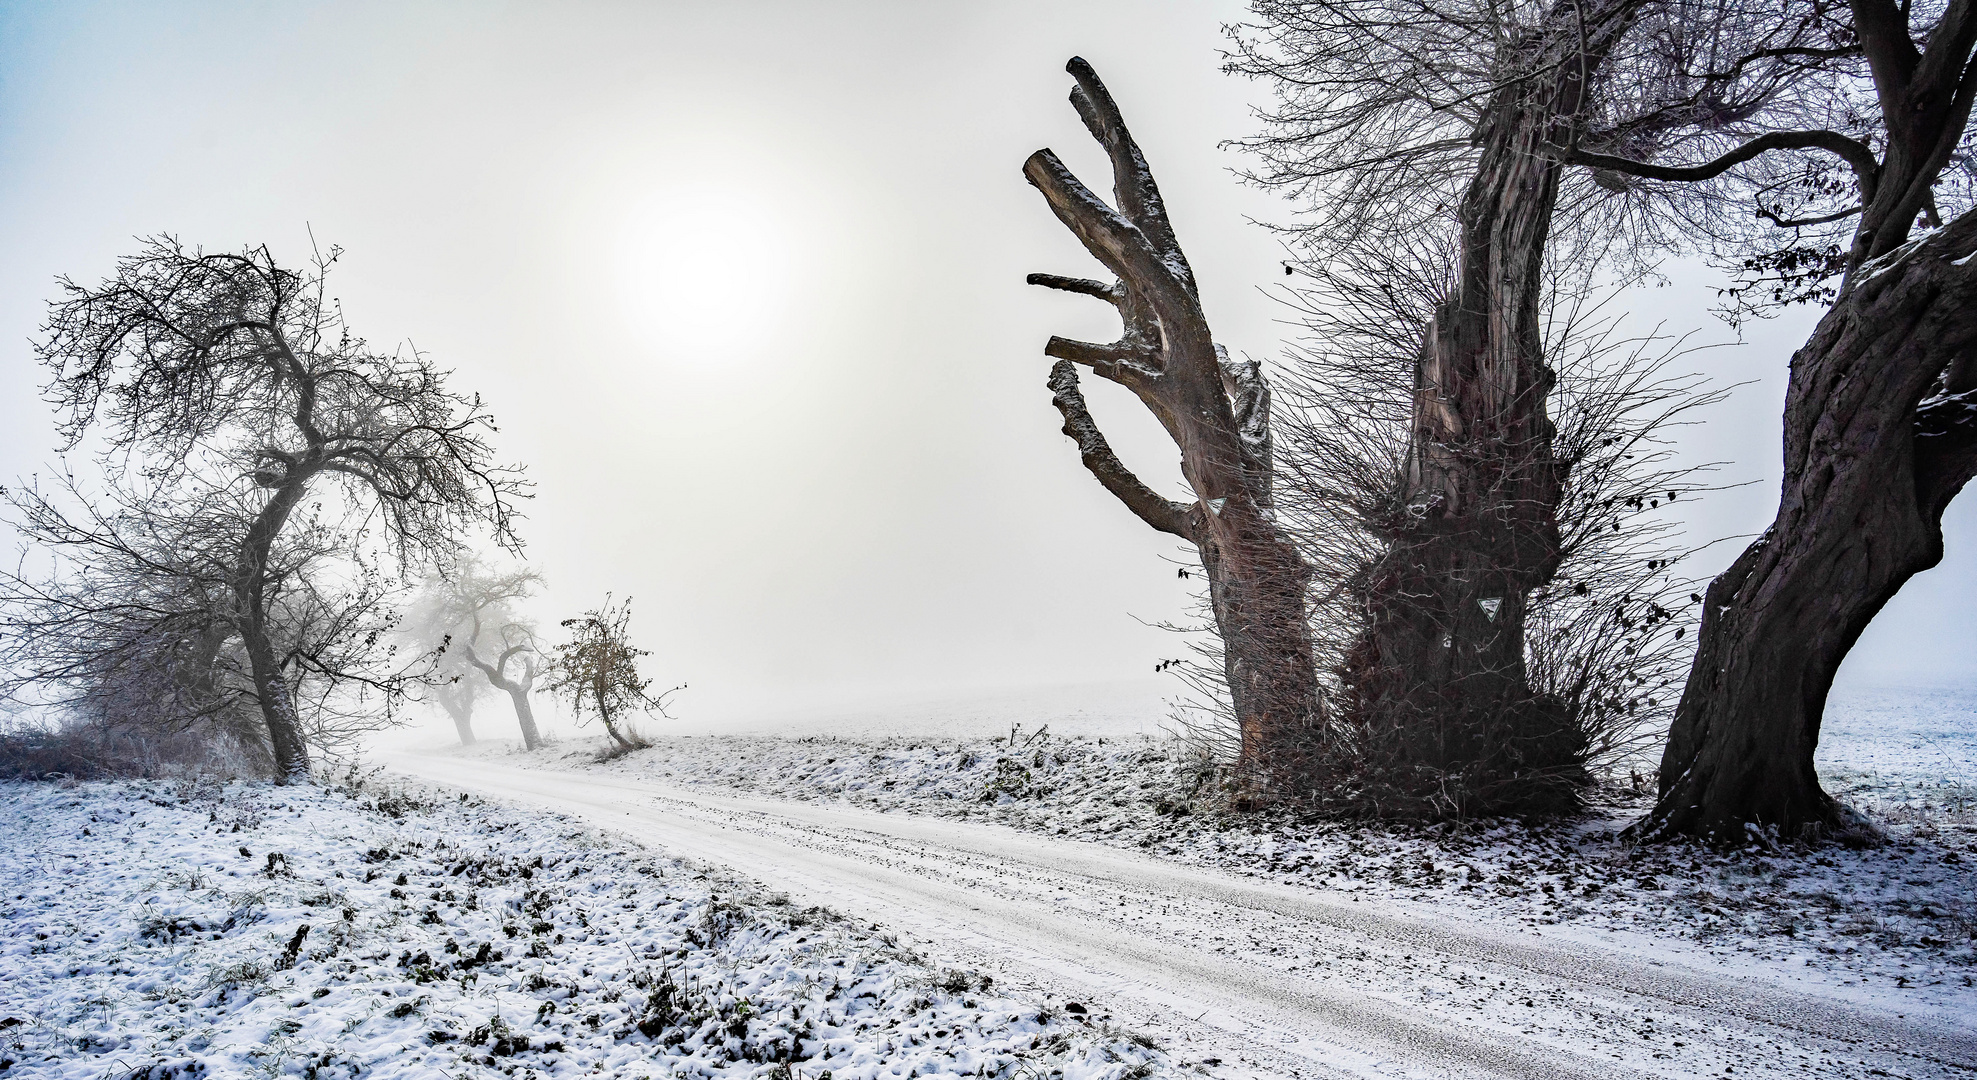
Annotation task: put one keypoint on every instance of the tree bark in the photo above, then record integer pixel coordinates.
(271, 688)
(1217, 413)
(525, 716)
(1880, 434)
(1440, 667)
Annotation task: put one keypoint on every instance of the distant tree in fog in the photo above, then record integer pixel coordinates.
(470, 609)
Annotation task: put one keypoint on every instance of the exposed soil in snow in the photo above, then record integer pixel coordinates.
(1893, 924)
(157, 930)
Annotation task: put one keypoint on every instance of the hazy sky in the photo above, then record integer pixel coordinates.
(743, 284)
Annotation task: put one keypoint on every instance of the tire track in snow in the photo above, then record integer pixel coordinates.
(1350, 998)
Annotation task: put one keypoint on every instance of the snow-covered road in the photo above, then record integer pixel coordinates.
(1266, 978)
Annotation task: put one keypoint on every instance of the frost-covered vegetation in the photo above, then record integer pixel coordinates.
(186, 929)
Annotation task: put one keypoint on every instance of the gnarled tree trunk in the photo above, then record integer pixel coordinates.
(1440, 668)
(1217, 413)
(1880, 434)
(517, 689)
(271, 688)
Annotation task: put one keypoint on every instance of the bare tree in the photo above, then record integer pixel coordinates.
(1781, 111)
(212, 369)
(1216, 411)
(1450, 249)
(597, 670)
(471, 603)
(431, 623)
(1879, 437)
(132, 626)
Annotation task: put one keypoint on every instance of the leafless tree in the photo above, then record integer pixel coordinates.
(1450, 245)
(1880, 435)
(471, 607)
(1216, 411)
(132, 625)
(1819, 134)
(430, 624)
(214, 369)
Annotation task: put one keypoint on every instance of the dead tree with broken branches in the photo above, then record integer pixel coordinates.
(1217, 412)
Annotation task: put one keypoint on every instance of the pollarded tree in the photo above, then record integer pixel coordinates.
(1450, 246)
(1819, 136)
(597, 670)
(215, 369)
(1216, 411)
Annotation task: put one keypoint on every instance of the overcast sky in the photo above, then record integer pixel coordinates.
(743, 284)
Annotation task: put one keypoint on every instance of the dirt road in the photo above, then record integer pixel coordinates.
(1264, 978)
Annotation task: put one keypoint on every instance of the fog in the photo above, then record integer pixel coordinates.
(743, 285)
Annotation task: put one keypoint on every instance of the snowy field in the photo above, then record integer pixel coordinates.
(179, 930)
(1887, 924)
(157, 930)
(1107, 709)
(1912, 748)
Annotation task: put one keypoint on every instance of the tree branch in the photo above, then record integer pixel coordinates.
(1149, 505)
(1891, 55)
(1796, 223)
(1117, 361)
(1851, 150)
(1133, 186)
(1109, 236)
(1114, 294)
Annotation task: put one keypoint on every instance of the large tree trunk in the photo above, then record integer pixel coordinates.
(1217, 413)
(250, 590)
(277, 710)
(199, 684)
(1440, 668)
(1879, 436)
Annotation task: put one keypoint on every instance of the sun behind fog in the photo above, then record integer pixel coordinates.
(706, 273)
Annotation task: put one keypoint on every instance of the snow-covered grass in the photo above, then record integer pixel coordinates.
(191, 929)
(1899, 917)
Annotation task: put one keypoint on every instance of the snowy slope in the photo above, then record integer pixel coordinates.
(188, 930)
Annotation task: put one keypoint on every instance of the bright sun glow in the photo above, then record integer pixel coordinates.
(709, 274)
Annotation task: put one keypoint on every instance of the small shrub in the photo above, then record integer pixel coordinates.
(720, 920)
(1010, 779)
(956, 981)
